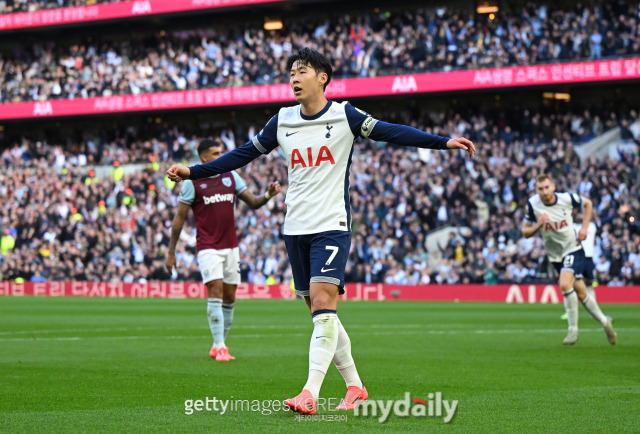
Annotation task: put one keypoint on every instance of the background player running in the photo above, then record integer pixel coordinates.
(551, 214)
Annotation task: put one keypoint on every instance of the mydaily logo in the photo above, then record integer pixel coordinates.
(432, 407)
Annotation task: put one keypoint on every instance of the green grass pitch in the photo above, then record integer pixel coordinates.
(83, 364)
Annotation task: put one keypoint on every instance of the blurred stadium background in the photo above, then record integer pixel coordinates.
(99, 98)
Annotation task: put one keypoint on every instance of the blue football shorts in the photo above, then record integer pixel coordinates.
(574, 262)
(320, 257)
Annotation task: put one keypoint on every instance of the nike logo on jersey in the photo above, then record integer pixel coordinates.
(322, 270)
(318, 337)
(291, 134)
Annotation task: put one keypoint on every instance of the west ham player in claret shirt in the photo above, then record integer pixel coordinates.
(317, 138)
(213, 202)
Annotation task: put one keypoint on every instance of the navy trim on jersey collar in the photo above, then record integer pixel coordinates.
(551, 204)
(317, 115)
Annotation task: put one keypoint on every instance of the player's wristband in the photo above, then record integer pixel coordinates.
(267, 195)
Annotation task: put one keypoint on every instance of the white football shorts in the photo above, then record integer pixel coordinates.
(220, 264)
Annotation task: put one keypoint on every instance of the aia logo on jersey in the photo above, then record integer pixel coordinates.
(555, 226)
(323, 155)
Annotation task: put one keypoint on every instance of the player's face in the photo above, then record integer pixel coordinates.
(305, 82)
(211, 154)
(546, 189)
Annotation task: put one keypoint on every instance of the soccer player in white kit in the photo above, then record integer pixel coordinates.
(551, 214)
(317, 138)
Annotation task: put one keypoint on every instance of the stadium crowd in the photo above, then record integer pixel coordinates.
(365, 44)
(79, 226)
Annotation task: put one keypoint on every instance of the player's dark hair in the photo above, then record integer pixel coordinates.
(542, 177)
(206, 144)
(314, 59)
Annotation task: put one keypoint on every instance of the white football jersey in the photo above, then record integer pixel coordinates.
(318, 151)
(589, 243)
(558, 234)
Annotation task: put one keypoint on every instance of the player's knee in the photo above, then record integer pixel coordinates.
(214, 288)
(565, 287)
(229, 293)
(323, 296)
(320, 302)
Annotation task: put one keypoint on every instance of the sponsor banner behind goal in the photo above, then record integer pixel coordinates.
(341, 89)
(514, 293)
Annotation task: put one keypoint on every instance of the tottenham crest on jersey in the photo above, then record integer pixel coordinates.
(328, 135)
(226, 182)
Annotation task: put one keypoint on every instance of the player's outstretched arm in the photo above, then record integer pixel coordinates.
(408, 136)
(256, 202)
(235, 159)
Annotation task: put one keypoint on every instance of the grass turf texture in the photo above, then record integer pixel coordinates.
(87, 364)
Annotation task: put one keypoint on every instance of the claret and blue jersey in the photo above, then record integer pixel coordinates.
(213, 202)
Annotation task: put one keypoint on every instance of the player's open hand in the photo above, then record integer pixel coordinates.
(464, 144)
(177, 173)
(171, 262)
(274, 188)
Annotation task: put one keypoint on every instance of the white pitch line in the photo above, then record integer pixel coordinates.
(103, 329)
(238, 327)
(262, 336)
(235, 327)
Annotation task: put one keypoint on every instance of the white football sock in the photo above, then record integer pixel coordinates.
(343, 359)
(227, 311)
(591, 292)
(571, 306)
(322, 348)
(216, 319)
(592, 307)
